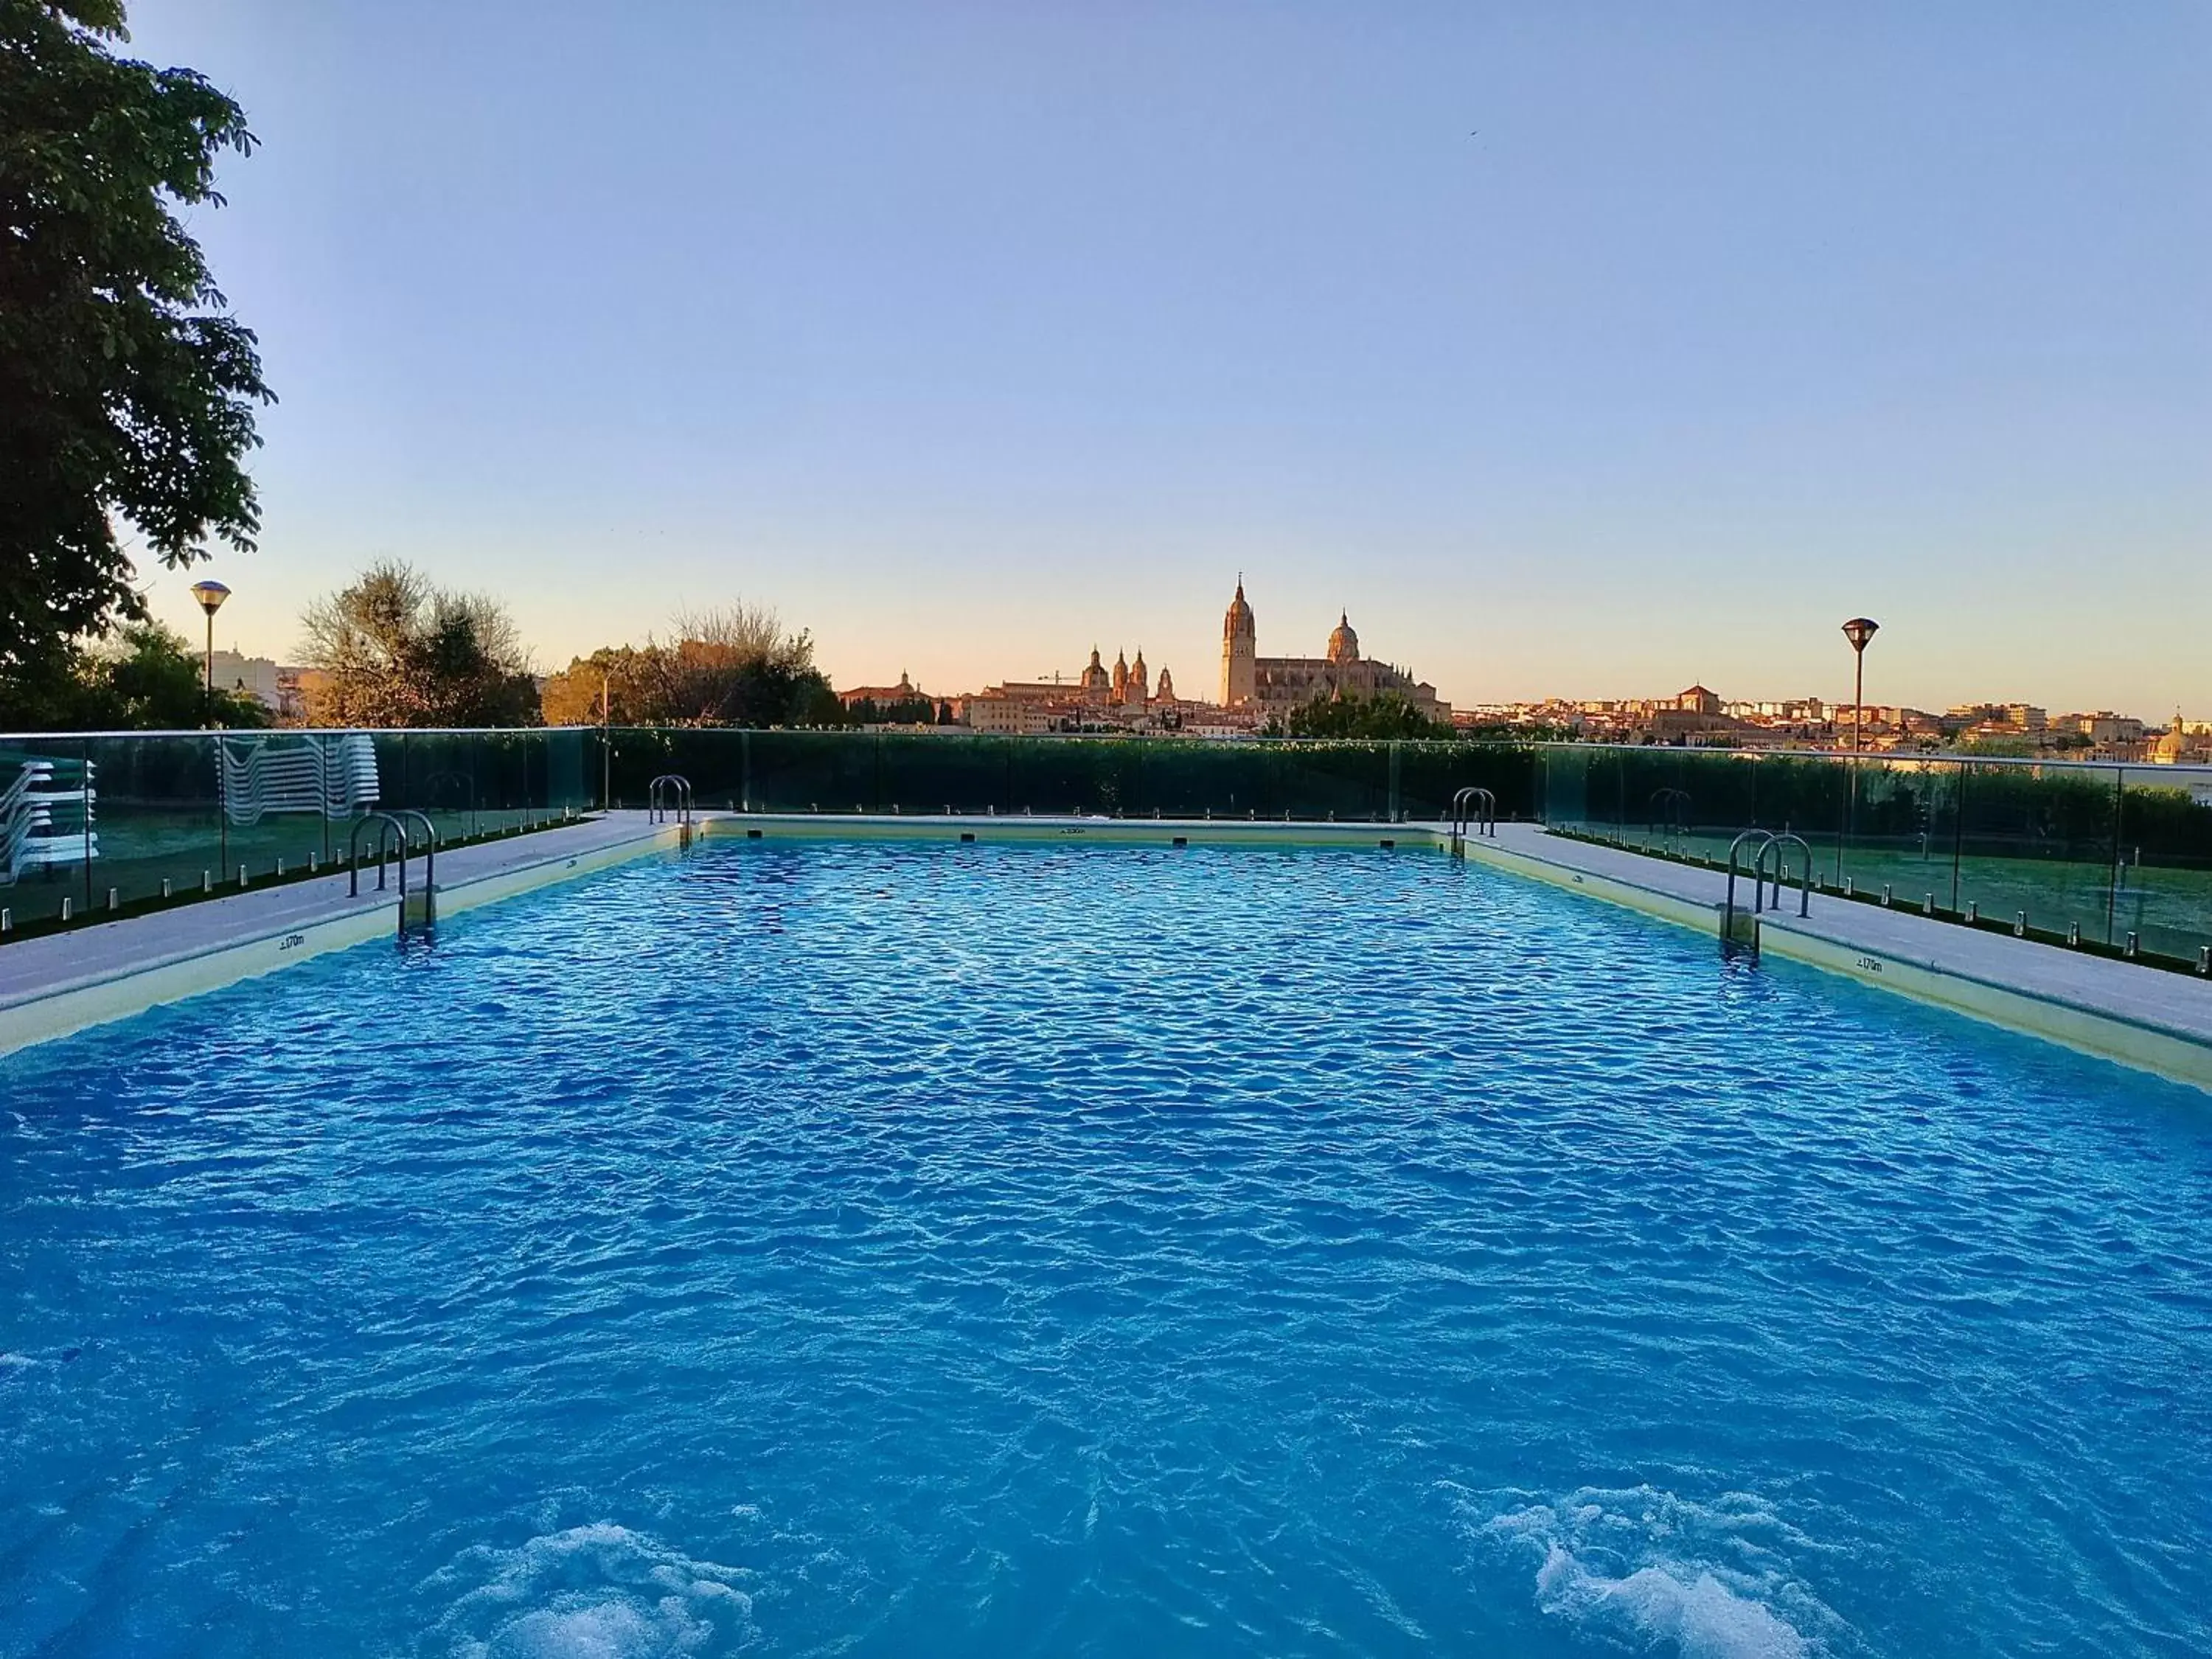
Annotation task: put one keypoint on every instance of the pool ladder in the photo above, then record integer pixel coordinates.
(1670, 817)
(1472, 807)
(668, 801)
(419, 909)
(1740, 930)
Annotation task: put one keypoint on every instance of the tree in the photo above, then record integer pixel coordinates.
(572, 697)
(917, 710)
(394, 650)
(1388, 715)
(127, 391)
(736, 666)
(143, 677)
(148, 679)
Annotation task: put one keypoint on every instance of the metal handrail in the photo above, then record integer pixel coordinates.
(1675, 803)
(1728, 910)
(656, 807)
(429, 850)
(1476, 806)
(1775, 844)
(387, 825)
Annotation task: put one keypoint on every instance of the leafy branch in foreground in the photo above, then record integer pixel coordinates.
(127, 390)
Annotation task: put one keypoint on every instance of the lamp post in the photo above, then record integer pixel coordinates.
(210, 594)
(1858, 630)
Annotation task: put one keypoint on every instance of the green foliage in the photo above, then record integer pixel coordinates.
(590, 691)
(1507, 731)
(1388, 715)
(144, 679)
(126, 389)
(817, 705)
(898, 711)
(732, 666)
(393, 650)
(151, 680)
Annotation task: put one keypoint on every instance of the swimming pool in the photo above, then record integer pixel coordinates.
(898, 1248)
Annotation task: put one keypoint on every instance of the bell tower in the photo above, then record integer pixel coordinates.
(1240, 652)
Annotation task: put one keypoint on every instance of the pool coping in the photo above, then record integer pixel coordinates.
(2162, 1023)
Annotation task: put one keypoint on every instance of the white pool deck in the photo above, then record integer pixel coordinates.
(2158, 1021)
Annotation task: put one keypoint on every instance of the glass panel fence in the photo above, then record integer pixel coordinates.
(2038, 843)
(785, 771)
(2092, 853)
(2162, 875)
(507, 782)
(1431, 774)
(2097, 852)
(1901, 818)
(443, 776)
(1564, 799)
(921, 772)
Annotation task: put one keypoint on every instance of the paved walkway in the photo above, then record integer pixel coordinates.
(33, 969)
(2179, 1004)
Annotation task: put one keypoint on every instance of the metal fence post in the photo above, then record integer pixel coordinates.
(84, 754)
(2112, 873)
(1959, 834)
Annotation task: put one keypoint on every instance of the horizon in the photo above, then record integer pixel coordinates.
(1580, 354)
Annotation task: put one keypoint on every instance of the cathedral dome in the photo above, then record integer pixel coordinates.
(1343, 643)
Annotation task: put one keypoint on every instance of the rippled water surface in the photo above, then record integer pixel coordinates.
(937, 1250)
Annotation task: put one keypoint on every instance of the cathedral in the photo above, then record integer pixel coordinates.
(1126, 685)
(1276, 685)
(1253, 689)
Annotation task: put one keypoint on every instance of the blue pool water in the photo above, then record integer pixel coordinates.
(929, 1250)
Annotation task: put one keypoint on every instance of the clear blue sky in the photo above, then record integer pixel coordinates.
(970, 335)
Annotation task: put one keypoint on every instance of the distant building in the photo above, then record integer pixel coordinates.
(883, 697)
(1278, 684)
(276, 687)
(2104, 729)
(2017, 719)
(996, 712)
(2179, 745)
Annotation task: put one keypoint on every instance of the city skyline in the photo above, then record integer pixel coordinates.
(1198, 681)
(962, 337)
